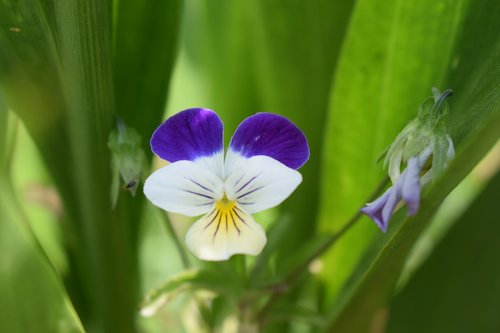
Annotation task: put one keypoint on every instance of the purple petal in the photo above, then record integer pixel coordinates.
(188, 135)
(410, 190)
(374, 210)
(271, 135)
(392, 201)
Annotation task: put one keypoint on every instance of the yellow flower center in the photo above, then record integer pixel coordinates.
(225, 216)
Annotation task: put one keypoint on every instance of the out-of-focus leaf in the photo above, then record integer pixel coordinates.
(56, 69)
(380, 269)
(29, 76)
(144, 53)
(394, 52)
(458, 288)
(477, 134)
(296, 48)
(145, 45)
(293, 313)
(3, 132)
(217, 41)
(32, 297)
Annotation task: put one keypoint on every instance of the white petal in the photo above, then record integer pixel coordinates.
(184, 187)
(214, 163)
(224, 232)
(259, 182)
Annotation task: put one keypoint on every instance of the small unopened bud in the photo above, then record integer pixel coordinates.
(127, 159)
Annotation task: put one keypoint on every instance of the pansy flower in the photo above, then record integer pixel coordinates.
(258, 171)
(424, 147)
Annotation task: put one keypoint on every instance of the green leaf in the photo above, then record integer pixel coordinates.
(145, 48)
(56, 69)
(3, 133)
(217, 42)
(458, 288)
(29, 76)
(29, 304)
(33, 298)
(475, 117)
(298, 314)
(393, 54)
(379, 271)
(144, 52)
(296, 47)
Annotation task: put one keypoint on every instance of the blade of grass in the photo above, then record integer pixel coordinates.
(145, 47)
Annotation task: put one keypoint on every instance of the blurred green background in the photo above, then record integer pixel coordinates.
(349, 73)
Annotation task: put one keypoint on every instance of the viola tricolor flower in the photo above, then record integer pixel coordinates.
(425, 147)
(258, 172)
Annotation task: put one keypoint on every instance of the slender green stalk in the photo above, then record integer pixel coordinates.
(297, 272)
(180, 248)
(294, 274)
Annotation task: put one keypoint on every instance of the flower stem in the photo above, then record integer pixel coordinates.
(180, 248)
(296, 273)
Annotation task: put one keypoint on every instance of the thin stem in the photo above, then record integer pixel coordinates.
(295, 274)
(180, 248)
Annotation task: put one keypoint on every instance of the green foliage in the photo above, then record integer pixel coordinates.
(351, 74)
(146, 34)
(448, 292)
(386, 69)
(57, 72)
(28, 304)
(377, 274)
(370, 289)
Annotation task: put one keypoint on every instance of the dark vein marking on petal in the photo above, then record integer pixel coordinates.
(239, 217)
(234, 220)
(217, 229)
(212, 211)
(205, 204)
(212, 220)
(248, 182)
(246, 203)
(199, 194)
(203, 187)
(239, 180)
(241, 210)
(249, 192)
(225, 217)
